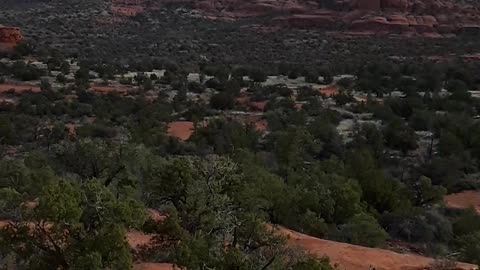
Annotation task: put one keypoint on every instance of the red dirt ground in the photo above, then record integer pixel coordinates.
(344, 256)
(138, 239)
(181, 130)
(19, 88)
(329, 91)
(351, 257)
(464, 200)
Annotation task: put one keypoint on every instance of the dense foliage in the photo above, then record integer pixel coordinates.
(220, 187)
(80, 169)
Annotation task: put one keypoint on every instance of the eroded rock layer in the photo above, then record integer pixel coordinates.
(411, 17)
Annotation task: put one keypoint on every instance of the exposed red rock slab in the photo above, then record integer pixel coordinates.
(351, 257)
(464, 200)
(19, 88)
(181, 130)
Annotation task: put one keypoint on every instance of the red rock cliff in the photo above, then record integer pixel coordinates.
(422, 17)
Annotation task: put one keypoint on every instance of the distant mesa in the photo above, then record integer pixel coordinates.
(429, 18)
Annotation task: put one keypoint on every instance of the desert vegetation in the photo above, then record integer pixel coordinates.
(229, 148)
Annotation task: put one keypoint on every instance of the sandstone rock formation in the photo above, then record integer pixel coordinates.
(422, 17)
(411, 17)
(9, 37)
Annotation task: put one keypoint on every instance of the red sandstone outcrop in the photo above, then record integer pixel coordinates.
(426, 17)
(9, 37)
(396, 23)
(409, 17)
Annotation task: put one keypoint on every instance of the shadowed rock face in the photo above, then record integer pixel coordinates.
(375, 17)
(9, 37)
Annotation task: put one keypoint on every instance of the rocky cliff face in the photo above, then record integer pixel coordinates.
(375, 17)
(414, 16)
(9, 37)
